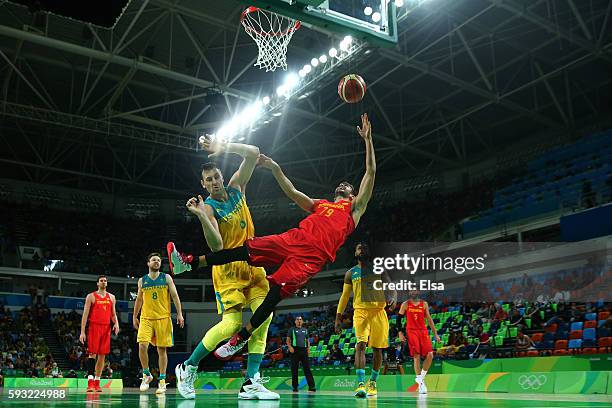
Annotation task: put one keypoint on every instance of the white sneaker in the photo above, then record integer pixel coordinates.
(422, 386)
(231, 347)
(253, 389)
(161, 387)
(185, 377)
(144, 385)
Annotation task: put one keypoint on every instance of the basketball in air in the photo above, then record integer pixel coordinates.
(352, 88)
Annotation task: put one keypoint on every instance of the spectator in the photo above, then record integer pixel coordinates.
(523, 342)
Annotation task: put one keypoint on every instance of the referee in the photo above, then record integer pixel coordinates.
(299, 347)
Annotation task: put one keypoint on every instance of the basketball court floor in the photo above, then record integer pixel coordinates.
(212, 399)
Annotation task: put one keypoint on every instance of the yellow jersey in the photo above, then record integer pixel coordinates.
(233, 217)
(155, 297)
(364, 294)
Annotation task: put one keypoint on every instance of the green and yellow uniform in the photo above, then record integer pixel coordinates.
(155, 321)
(369, 318)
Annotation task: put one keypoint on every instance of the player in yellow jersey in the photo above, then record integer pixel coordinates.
(155, 325)
(369, 318)
(226, 223)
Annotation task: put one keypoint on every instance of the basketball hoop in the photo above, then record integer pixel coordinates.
(272, 33)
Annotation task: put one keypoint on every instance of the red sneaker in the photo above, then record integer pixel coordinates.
(179, 262)
(97, 386)
(234, 345)
(90, 385)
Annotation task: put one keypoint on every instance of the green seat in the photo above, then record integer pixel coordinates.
(554, 307)
(351, 352)
(499, 341)
(506, 307)
(486, 327)
(528, 323)
(404, 321)
(369, 350)
(513, 331)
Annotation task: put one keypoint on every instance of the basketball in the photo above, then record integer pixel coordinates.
(352, 88)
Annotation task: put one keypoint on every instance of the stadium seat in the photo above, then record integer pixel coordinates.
(605, 342)
(560, 352)
(532, 353)
(601, 323)
(589, 324)
(537, 337)
(576, 326)
(575, 334)
(588, 334)
(552, 328)
(590, 316)
(575, 343)
(560, 344)
(602, 332)
(589, 350)
(589, 343)
(603, 315)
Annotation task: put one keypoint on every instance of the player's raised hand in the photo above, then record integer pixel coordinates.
(196, 205)
(180, 320)
(135, 322)
(266, 162)
(365, 131)
(215, 147)
(82, 338)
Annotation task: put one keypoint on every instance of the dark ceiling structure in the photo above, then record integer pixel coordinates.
(119, 109)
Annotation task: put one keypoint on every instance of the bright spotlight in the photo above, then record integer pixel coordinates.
(301, 73)
(376, 17)
(280, 91)
(291, 81)
(266, 100)
(367, 11)
(399, 3)
(314, 62)
(344, 46)
(323, 59)
(307, 68)
(333, 52)
(348, 39)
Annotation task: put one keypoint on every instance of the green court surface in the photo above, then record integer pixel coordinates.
(225, 399)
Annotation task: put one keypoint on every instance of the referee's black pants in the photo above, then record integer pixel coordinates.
(300, 354)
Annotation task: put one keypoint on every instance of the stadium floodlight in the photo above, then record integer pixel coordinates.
(367, 11)
(280, 90)
(277, 114)
(291, 81)
(344, 45)
(302, 73)
(348, 39)
(333, 52)
(314, 62)
(307, 68)
(376, 17)
(266, 100)
(399, 3)
(323, 59)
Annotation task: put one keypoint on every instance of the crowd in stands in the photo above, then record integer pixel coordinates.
(21, 343)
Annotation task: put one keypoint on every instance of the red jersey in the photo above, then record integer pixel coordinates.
(101, 308)
(415, 316)
(329, 224)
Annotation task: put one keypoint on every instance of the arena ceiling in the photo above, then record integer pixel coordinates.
(119, 110)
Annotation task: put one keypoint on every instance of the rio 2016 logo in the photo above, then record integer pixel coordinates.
(532, 382)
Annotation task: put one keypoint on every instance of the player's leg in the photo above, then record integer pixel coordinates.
(186, 372)
(362, 333)
(162, 357)
(378, 340)
(427, 351)
(101, 358)
(91, 367)
(143, 338)
(252, 387)
(163, 339)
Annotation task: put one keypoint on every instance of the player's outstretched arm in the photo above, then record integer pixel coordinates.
(367, 182)
(137, 306)
(88, 302)
(430, 321)
(177, 301)
(249, 154)
(302, 200)
(347, 290)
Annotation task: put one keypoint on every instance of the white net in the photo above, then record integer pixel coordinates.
(272, 33)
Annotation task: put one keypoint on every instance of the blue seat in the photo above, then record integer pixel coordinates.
(603, 332)
(589, 343)
(590, 316)
(576, 326)
(589, 334)
(601, 323)
(576, 343)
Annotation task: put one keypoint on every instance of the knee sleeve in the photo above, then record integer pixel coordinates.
(226, 328)
(257, 341)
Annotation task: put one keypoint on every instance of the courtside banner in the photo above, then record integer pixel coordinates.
(534, 272)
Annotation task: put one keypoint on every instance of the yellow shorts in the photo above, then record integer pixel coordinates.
(158, 332)
(372, 326)
(237, 284)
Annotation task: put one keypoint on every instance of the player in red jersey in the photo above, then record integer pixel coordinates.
(100, 311)
(417, 312)
(301, 252)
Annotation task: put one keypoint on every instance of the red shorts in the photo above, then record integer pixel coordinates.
(419, 342)
(98, 338)
(295, 251)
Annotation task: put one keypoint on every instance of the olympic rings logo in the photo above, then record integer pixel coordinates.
(532, 382)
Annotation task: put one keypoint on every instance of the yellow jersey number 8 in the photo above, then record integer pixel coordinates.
(154, 295)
